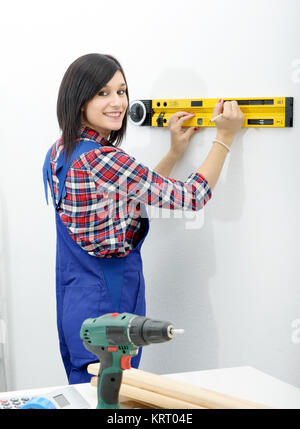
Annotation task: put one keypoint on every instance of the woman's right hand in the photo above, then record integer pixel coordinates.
(230, 122)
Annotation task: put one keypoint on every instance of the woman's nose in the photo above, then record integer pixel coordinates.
(116, 100)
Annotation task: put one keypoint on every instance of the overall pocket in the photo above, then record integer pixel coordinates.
(133, 293)
(80, 303)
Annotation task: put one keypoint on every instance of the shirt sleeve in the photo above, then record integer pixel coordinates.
(121, 176)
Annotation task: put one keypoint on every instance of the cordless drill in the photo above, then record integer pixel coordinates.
(115, 338)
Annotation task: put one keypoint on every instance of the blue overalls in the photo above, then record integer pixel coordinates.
(88, 286)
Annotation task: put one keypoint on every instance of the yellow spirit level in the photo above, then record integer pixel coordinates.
(259, 112)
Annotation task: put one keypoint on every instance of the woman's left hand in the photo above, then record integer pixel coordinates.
(180, 136)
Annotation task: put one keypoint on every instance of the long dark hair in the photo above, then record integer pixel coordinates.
(81, 82)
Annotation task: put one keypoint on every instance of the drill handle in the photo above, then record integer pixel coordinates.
(109, 379)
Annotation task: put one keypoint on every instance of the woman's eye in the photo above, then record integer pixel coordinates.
(104, 93)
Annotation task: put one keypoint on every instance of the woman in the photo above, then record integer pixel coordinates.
(99, 193)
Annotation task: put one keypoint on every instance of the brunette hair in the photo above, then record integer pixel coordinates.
(81, 82)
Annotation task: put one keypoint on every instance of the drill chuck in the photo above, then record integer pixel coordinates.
(143, 331)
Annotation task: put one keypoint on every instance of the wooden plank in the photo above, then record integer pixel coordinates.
(147, 398)
(179, 390)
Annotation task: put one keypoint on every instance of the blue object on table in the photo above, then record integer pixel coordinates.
(39, 403)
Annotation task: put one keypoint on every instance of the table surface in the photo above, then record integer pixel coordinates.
(243, 382)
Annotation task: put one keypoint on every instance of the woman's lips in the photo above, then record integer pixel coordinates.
(113, 115)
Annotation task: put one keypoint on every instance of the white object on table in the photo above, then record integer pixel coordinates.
(243, 382)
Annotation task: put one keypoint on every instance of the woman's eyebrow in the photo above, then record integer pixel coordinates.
(108, 86)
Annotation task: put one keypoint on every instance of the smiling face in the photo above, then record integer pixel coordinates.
(106, 110)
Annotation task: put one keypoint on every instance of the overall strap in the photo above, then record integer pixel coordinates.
(47, 176)
(63, 167)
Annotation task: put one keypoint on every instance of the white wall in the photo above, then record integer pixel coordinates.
(229, 276)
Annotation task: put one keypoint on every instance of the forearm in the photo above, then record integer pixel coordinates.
(212, 166)
(166, 165)
(210, 169)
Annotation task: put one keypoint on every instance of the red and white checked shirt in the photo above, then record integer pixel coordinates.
(104, 189)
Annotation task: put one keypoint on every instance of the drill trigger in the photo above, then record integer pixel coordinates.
(125, 362)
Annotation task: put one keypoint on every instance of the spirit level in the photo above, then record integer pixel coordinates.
(258, 112)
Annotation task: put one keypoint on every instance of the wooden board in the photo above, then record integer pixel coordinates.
(166, 387)
(142, 398)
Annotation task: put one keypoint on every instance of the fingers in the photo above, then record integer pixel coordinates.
(218, 109)
(185, 118)
(178, 118)
(232, 118)
(179, 115)
(234, 106)
(227, 108)
(191, 131)
(231, 108)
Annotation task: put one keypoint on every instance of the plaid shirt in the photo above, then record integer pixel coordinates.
(104, 190)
